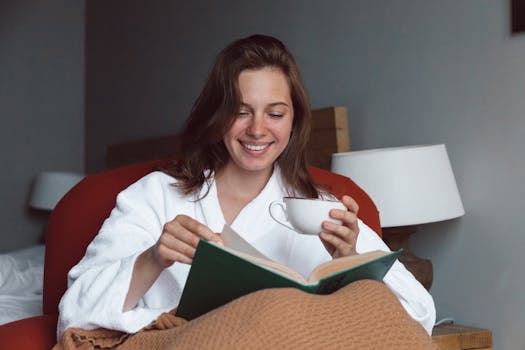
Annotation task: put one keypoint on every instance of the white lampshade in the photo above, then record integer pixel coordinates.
(409, 185)
(50, 187)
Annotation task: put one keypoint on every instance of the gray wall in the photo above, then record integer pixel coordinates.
(410, 72)
(41, 106)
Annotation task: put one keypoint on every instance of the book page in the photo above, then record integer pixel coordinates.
(233, 240)
(330, 267)
(237, 245)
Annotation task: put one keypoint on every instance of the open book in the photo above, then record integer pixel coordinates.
(220, 274)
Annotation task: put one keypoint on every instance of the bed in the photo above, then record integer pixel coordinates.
(21, 276)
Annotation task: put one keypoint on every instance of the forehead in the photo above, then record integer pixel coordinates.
(268, 82)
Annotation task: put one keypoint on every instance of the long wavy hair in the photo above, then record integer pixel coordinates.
(217, 107)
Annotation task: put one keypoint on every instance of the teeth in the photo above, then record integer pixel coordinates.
(255, 147)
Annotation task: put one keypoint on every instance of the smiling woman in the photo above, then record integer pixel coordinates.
(244, 146)
(257, 137)
(248, 72)
(262, 130)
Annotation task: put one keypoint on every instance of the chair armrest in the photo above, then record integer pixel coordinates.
(33, 333)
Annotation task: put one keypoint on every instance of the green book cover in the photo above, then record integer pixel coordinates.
(219, 275)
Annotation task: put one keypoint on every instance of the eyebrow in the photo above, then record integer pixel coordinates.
(243, 104)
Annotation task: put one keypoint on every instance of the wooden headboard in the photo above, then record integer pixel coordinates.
(329, 135)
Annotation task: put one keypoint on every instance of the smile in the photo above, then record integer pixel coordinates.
(255, 147)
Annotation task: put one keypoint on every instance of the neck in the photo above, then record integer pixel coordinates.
(240, 183)
(236, 188)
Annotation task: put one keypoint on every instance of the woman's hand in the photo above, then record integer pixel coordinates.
(340, 240)
(177, 242)
(179, 239)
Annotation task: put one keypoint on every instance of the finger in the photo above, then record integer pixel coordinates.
(343, 232)
(168, 256)
(350, 203)
(217, 239)
(190, 231)
(348, 218)
(198, 228)
(341, 247)
(168, 250)
(329, 248)
(177, 245)
(179, 232)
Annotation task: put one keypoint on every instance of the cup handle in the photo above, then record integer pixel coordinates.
(283, 208)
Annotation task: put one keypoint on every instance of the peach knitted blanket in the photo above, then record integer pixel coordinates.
(363, 315)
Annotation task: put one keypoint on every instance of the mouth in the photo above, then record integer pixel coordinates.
(255, 147)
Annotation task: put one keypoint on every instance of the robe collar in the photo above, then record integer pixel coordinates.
(254, 220)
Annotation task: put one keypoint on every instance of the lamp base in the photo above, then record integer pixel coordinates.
(397, 237)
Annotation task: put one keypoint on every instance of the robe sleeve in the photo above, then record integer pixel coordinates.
(98, 284)
(416, 300)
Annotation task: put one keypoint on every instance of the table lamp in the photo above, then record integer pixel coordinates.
(50, 187)
(410, 186)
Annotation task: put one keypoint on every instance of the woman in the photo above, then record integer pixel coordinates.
(244, 146)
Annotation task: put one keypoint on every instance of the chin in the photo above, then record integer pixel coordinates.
(256, 167)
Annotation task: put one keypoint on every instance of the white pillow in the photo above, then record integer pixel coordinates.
(21, 272)
(21, 280)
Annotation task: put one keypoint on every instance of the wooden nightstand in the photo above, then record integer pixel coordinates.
(457, 337)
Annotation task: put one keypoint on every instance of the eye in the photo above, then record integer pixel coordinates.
(276, 115)
(244, 114)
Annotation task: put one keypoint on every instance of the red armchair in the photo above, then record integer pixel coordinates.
(77, 219)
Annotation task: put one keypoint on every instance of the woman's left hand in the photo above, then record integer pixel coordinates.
(340, 239)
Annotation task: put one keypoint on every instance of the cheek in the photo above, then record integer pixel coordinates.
(230, 134)
(237, 127)
(289, 131)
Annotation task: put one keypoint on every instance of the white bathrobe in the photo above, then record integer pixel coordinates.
(99, 283)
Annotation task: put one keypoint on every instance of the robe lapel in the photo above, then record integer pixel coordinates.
(253, 221)
(210, 207)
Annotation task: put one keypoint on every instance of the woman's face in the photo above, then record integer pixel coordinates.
(264, 123)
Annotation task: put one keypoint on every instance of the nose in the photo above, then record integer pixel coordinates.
(257, 126)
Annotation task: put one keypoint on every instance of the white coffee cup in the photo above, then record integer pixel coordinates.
(305, 214)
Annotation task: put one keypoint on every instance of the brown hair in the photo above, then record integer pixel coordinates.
(217, 106)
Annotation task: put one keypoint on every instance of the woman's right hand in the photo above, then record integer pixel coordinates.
(179, 239)
(177, 243)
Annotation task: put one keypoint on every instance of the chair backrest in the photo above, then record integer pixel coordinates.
(79, 215)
